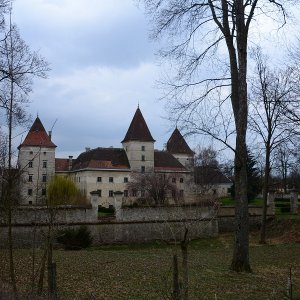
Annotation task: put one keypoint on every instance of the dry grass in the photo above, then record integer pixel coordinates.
(144, 272)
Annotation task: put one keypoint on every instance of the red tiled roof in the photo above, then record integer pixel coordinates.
(61, 164)
(102, 158)
(177, 144)
(138, 129)
(165, 161)
(37, 136)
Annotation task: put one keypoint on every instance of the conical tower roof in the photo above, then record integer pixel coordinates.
(138, 129)
(177, 144)
(37, 136)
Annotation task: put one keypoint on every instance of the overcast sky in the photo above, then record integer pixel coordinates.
(103, 65)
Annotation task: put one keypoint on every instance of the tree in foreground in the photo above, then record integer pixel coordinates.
(61, 191)
(196, 30)
(18, 66)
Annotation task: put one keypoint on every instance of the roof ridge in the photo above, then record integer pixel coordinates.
(37, 136)
(138, 129)
(177, 144)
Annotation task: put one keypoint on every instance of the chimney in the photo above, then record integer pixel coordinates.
(70, 162)
(50, 134)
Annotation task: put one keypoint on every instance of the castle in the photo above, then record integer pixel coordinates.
(101, 172)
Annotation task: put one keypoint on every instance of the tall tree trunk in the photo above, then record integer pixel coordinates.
(10, 245)
(42, 271)
(265, 196)
(240, 260)
(49, 252)
(184, 253)
(10, 173)
(176, 285)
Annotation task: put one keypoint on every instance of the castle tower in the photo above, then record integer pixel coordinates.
(37, 163)
(179, 148)
(139, 144)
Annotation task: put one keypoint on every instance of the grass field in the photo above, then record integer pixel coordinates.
(144, 271)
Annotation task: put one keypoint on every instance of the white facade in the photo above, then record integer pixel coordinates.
(140, 155)
(37, 165)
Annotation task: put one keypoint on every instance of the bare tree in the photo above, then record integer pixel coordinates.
(153, 188)
(18, 67)
(196, 30)
(283, 163)
(206, 156)
(273, 94)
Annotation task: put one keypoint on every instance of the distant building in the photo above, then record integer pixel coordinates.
(210, 180)
(101, 172)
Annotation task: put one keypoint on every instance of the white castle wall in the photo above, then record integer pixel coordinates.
(38, 156)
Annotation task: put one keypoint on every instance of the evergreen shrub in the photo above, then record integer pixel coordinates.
(75, 239)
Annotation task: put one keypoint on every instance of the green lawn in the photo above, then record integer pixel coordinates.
(230, 201)
(144, 271)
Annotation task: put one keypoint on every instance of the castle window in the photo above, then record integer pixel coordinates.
(173, 194)
(44, 179)
(30, 202)
(134, 193)
(143, 169)
(111, 193)
(99, 179)
(125, 193)
(143, 157)
(125, 179)
(29, 192)
(143, 148)
(44, 164)
(30, 164)
(111, 179)
(43, 192)
(181, 193)
(99, 193)
(30, 178)
(31, 152)
(45, 153)
(181, 180)
(174, 179)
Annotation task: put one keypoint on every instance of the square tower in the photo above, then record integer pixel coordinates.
(37, 164)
